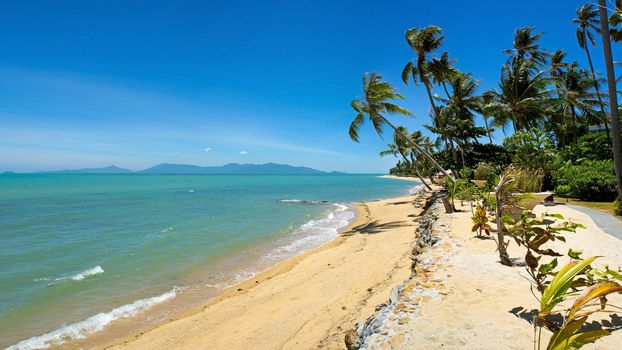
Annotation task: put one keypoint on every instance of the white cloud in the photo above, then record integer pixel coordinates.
(207, 149)
(176, 154)
(243, 153)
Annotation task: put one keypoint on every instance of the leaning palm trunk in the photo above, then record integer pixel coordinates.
(414, 168)
(420, 150)
(613, 99)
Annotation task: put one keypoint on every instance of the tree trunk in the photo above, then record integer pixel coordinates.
(413, 167)
(613, 99)
(574, 124)
(420, 150)
(487, 129)
(445, 88)
(454, 153)
(504, 258)
(600, 101)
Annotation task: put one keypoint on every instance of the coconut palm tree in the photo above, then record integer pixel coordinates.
(442, 70)
(526, 47)
(459, 111)
(484, 109)
(578, 95)
(558, 66)
(522, 95)
(587, 24)
(375, 104)
(613, 99)
(423, 42)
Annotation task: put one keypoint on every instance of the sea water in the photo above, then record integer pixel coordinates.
(81, 252)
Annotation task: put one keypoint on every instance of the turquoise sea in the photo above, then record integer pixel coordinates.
(82, 253)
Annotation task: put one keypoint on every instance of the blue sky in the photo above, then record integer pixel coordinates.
(136, 83)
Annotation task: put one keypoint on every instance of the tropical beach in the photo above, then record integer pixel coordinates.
(311, 175)
(371, 258)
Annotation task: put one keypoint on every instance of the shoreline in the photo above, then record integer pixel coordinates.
(246, 285)
(109, 335)
(229, 295)
(128, 327)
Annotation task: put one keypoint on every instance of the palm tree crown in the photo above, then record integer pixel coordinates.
(522, 95)
(442, 70)
(526, 46)
(376, 103)
(586, 21)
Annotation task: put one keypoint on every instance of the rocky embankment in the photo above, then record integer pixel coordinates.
(388, 327)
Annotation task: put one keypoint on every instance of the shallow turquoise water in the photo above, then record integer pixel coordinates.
(72, 246)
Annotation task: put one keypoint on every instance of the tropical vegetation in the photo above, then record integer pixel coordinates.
(561, 133)
(556, 117)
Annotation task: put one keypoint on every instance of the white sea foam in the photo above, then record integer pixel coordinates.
(315, 232)
(91, 325)
(301, 201)
(88, 272)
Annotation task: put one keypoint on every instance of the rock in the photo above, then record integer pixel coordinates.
(395, 293)
(350, 339)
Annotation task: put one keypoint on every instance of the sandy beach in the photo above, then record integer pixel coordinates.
(305, 302)
(459, 297)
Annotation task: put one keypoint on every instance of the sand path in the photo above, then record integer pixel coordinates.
(487, 305)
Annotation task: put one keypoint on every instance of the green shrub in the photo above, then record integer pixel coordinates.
(474, 154)
(529, 180)
(483, 171)
(592, 180)
(466, 173)
(617, 208)
(531, 150)
(595, 146)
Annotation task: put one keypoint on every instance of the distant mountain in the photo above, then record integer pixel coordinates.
(228, 169)
(232, 168)
(106, 170)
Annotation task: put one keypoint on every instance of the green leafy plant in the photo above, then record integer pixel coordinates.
(557, 287)
(453, 189)
(591, 300)
(590, 180)
(533, 234)
(504, 199)
(480, 221)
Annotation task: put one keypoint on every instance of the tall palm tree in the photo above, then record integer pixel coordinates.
(577, 94)
(484, 109)
(423, 42)
(376, 103)
(558, 121)
(587, 23)
(613, 99)
(460, 109)
(441, 69)
(526, 47)
(558, 66)
(522, 95)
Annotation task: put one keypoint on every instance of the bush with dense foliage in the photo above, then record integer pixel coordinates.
(592, 180)
(595, 146)
(484, 171)
(474, 154)
(531, 150)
